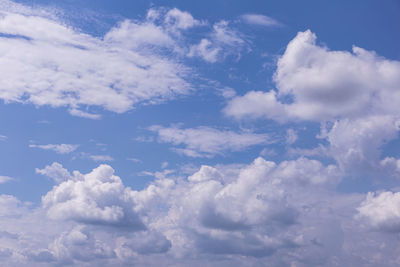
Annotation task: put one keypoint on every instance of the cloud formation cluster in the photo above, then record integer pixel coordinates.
(286, 213)
(353, 95)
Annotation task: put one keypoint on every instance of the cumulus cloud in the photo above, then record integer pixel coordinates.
(356, 144)
(261, 20)
(324, 84)
(250, 210)
(98, 197)
(11, 206)
(253, 211)
(78, 244)
(206, 141)
(56, 172)
(58, 148)
(284, 213)
(177, 19)
(353, 95)
(381, 211)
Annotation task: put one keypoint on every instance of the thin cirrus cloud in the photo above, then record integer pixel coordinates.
(260, 20)
(223, 41)
(206, 141)
(100, 157)
(58, 148)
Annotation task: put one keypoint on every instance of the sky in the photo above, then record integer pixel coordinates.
(199, 133)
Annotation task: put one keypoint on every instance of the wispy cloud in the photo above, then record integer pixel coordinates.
(115, 72)
(101, 158)
(135, 160)
(58, 148)
(261, 20)
(222, 42)
(5, 179)
(206, 141)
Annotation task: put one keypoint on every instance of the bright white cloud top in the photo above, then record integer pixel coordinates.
(48, 63)
(202, 134)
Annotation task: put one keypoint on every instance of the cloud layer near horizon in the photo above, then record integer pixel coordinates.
(288, 212)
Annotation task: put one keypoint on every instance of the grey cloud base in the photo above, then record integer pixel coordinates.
(283, 214)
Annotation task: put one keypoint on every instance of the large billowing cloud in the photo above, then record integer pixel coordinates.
(282, 213)
(98, 197)
(322, 85)
(353, 95)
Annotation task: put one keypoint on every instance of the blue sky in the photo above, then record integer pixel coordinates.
(216, 133)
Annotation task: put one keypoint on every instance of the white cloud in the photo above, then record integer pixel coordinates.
(356, 144)
(206, 50)
(11, 206)
(286, 213)
(392, 165)
(56, 172)
(83, 114)
(354, 94)
(58, 148)
(101, 157)
(256, 104)
(381, 211)
(3, 137)
(205, 173)
(252, 211)
(223, 41)
(178, 19)
(79, 244)
(261, 20)
(207, 141)
(5, 179)
(291, 136)
(98, 197)
(325, 85)
(135, 160)
(67, 68)
(164, 165)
